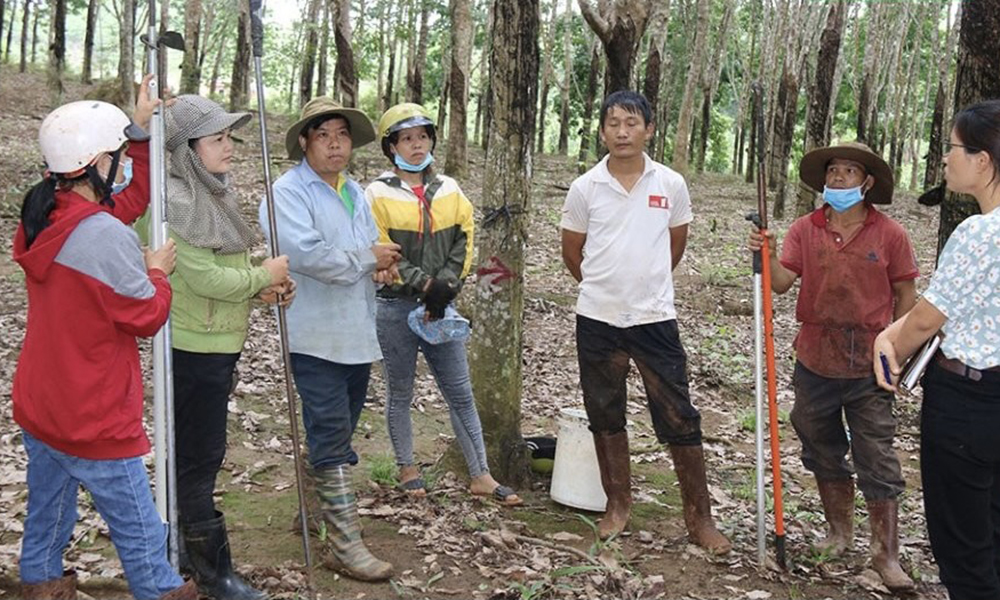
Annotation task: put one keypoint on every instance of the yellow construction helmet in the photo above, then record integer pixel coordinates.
(403, 116)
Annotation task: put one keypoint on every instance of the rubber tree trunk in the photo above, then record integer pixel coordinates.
(496, 350)
(126, 52)
(239, 81)
(977, 79)
(346, 74)
(817, 134)
(457, 164)
(87, 72)
(620, 25)
(190, 65)
(682, 138)
(308, 65)
(589, 95)
(567, 81)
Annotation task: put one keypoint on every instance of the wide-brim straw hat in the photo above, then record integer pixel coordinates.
(812, 169)
(362, 130)
(191, 117)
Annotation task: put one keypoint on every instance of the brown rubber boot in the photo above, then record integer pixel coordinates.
(616, 478)
(346, 550)
(689, 463)
(838, 506)
(63, 588)
(188, 591)
(883, 515)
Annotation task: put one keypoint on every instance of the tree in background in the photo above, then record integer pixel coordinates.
(978, 79)
(496, 349)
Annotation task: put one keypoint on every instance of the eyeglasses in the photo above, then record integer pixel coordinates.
(947, 146)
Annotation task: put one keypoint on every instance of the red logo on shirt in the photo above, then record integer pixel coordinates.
(659, 202)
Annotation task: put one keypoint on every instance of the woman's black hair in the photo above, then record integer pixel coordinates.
(38, 204)
(978, 127)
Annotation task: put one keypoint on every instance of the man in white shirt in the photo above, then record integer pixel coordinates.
(624, 229)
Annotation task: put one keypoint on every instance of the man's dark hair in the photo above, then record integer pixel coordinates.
(318, 122)
(628, 101)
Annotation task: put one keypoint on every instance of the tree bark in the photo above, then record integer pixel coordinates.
(977, 79)
(484, 74)
(308, 64)
(126, 52)
(190, 67)
(567, 80)
(589, 95)
(25, 22)
(933, 174)
(86, 73)
(220, 46)
(457, 164)
(346, 75)
(34, 32)
(420, 61)
(496, 350)
(658, 22)
(3, 16)
(817, 134)
(547, 74)
(240, 80)
(683, 134)
(10, 30)
(620, 25)
(711, 82)
(323, 62)
(784, 129)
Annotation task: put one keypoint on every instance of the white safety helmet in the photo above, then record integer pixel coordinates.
(75, 134)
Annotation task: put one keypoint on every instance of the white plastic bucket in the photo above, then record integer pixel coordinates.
(576, 477)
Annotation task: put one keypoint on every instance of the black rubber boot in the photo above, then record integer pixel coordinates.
(211, 564)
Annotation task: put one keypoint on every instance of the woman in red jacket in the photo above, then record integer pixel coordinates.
(91, 291)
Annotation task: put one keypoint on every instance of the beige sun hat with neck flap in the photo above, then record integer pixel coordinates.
(362, 130)
(812, 169)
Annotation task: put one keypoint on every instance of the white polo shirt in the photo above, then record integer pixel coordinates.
(626, 268)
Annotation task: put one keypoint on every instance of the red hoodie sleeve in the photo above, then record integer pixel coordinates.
(141, 317)
(133, 201)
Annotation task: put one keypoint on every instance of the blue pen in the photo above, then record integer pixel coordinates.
(885, 368)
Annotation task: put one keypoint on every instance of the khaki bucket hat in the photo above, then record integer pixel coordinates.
(812, 169)
(362, 131)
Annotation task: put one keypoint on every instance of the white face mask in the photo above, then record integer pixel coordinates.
(117, 188)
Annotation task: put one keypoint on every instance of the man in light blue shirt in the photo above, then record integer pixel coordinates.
(325, 227)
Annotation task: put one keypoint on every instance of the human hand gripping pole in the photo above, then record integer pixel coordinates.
(257, 40)
(762, 260)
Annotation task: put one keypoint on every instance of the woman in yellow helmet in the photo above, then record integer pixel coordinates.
(431, 219)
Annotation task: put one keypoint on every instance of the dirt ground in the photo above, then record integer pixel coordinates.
(451, 545)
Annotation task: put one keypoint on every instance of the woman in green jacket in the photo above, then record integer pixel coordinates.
(213, 285)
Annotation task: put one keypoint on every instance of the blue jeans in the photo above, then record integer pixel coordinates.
(450, 367)
(121, 494)
(333, 395)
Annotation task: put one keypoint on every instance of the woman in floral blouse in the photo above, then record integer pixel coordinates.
(959, 454)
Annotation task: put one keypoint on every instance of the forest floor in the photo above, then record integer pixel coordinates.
(451, 545)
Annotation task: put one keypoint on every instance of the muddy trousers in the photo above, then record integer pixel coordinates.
(960, 470)
(822, 404)
(604, 353)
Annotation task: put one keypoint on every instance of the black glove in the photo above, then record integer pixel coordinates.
(439, 294)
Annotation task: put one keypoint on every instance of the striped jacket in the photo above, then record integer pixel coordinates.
(436, 237)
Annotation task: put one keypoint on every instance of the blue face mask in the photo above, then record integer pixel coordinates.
(402, 164)
(117, 188)
(841, 200)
